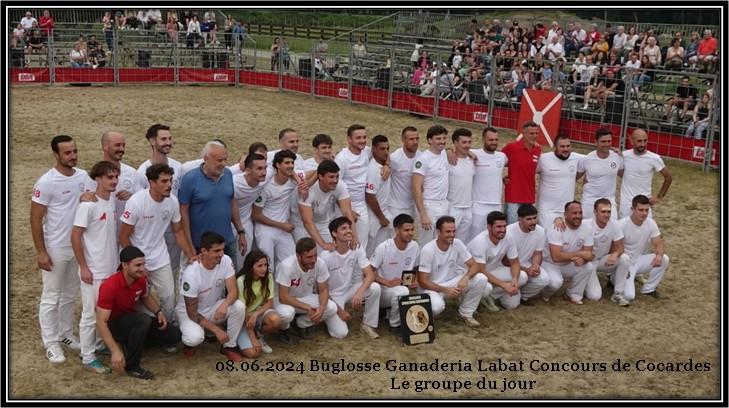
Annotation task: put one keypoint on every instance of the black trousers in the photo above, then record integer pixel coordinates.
(135, 330)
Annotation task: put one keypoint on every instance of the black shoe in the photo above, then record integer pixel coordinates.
(396, 330)
(284, 337)
(141, 373)
(527, 302)
(303, 332)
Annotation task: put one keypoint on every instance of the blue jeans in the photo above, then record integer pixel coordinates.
(231, 249)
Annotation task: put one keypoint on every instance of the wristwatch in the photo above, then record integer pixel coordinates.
(241, 231)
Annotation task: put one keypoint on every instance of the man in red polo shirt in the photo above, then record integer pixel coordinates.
(124, 329)
(523, 155)
(706, 53)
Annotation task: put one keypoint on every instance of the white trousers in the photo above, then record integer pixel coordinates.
(478, 217)
(464, 217)
(371, 302)
(435, 210)
(467, 302)
(546, 217)
(248, 226)
(164, 283)
(337, 327)
(534, 284)
(60, 288)
(503, 273)
(299, 229)
(193, 334)
(388, 298)
(618, 276)
(276, 243)
(89, 338)
(405, 210)
(174, 251)
(580, 276)
(363, 222)
(642, 265)
(377, 233)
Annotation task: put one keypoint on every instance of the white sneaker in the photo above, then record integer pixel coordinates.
(369, 331)
(72, 343)
(264, 346)
(620, 300)
(54, 353)
(489, 303)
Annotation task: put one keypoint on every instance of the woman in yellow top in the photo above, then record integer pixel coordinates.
(255, 290)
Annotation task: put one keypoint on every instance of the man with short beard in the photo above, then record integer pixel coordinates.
(460, 183)
(557, 180)
(609, 254)
(529, 239)
(401, 162)
(600, 168)
(130, 181)
(488, 181)
(430, 183)
(378, 195)
(246, 188)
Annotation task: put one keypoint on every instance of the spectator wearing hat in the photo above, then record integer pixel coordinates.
(124, 329)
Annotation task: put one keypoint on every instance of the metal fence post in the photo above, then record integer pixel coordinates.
(312, 72)
(280, 69)
(391, 81)
(624, 117)
(51, 59)
(713, 113)
(114, 53)
(436, 93)
(176, 66)
(492, 91)
(238, 60)
(349, 79)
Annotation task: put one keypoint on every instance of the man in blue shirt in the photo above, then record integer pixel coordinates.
(207, 202)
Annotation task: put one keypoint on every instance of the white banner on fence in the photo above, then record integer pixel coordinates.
(26, 77)
(343, 93)
(220, 77)
(482, 117)
(700, 153)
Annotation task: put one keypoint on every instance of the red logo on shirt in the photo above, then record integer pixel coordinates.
(103, 217)
(126, 214)
(295, 282)
(36, 193)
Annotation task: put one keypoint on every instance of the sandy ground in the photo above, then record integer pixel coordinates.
(683, 328)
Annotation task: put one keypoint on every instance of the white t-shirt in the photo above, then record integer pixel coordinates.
(150, 220)
(460, 183)
(601, 175)
(189, 165)
(444, 265)
(485, 252)
(389, 261)
(401, 174)
(434, 169)
(301, 283)
(130, 181)
(99, 237)
(176, 177)
(556, 181)
(382, 189)
(603, 238)
(526, 242)
(324, 205)
(60, 195)
(353, 171)
(488, 182)
(275, 199)
(309, 164)
(235, 169)
(636, 238)
(638, 174)
(345, 270)
(570, 240)
(556, 51)
(207, 285)
(245, 195)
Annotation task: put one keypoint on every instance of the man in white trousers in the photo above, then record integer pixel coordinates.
(460, 183)
(600, 168)
(401, 163)
(53, 206)
(94, 244)
(569, 255)
(351, 280)
(557, 180)
(390, 259)
(447, 270)
(529, 238)
(247, 187)
(609, 254)
(378, 195)
(430, 183)
(638, 232)
(488, 181)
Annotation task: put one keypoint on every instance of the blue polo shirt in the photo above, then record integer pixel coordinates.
(209, 204)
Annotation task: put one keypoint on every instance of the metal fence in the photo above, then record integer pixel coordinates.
(491, 93)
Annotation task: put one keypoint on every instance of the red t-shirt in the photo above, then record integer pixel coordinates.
(707, 46)
(522, 172)
(120, 298)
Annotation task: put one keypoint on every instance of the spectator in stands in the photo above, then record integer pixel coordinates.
(228, 31)
(700, 118)
(619, 40)
(154, 17)
(706, 53)
(47, 23)
(614, 60)
(424, 60)
(121, 20)
(593, 36)
(600, 58)
(275, 54)
(359, 50)
(28, 20)
(538, 47)
(417, 76)
(193, 32)
(630, 42)
(555, 52)
(614, 87)
(652, 51)
(172, 28)
(19, 35)
(675, 55)
(595, 87)
(239, 33)
(692, 49)
(684, 99)
(647, 75)
(142, 19)
(284, 52)
(78, 55)
(575, 39)
(415, 56)
(108, 27)
(601, 44)
(321, 48)
(212, 27)
(97, 56)
(35, 43)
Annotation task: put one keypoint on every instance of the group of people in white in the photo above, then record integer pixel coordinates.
(275, 244)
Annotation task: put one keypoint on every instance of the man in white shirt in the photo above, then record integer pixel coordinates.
(609, 254)
(113, 145)
(488, 181)
(53, 205)
(555, 51)
(619, 39)
(94, 244)
(209, 297)
(640, 166)
(353, 161)
(492, 251)
(557, 180)
(288, 139)
(401, 162)
(322, 145)
(529, 238)
(328, 194)
(159, 138)
(460, 183)
(351, 279)
(638, 231)
(303, 290)
(600, 168)
(378, 195)
(246, 189)
(147, 214)
(569, 255)
(271, 210)
(27, 21)
(447, 270)
(430, 182)
(390, 260)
